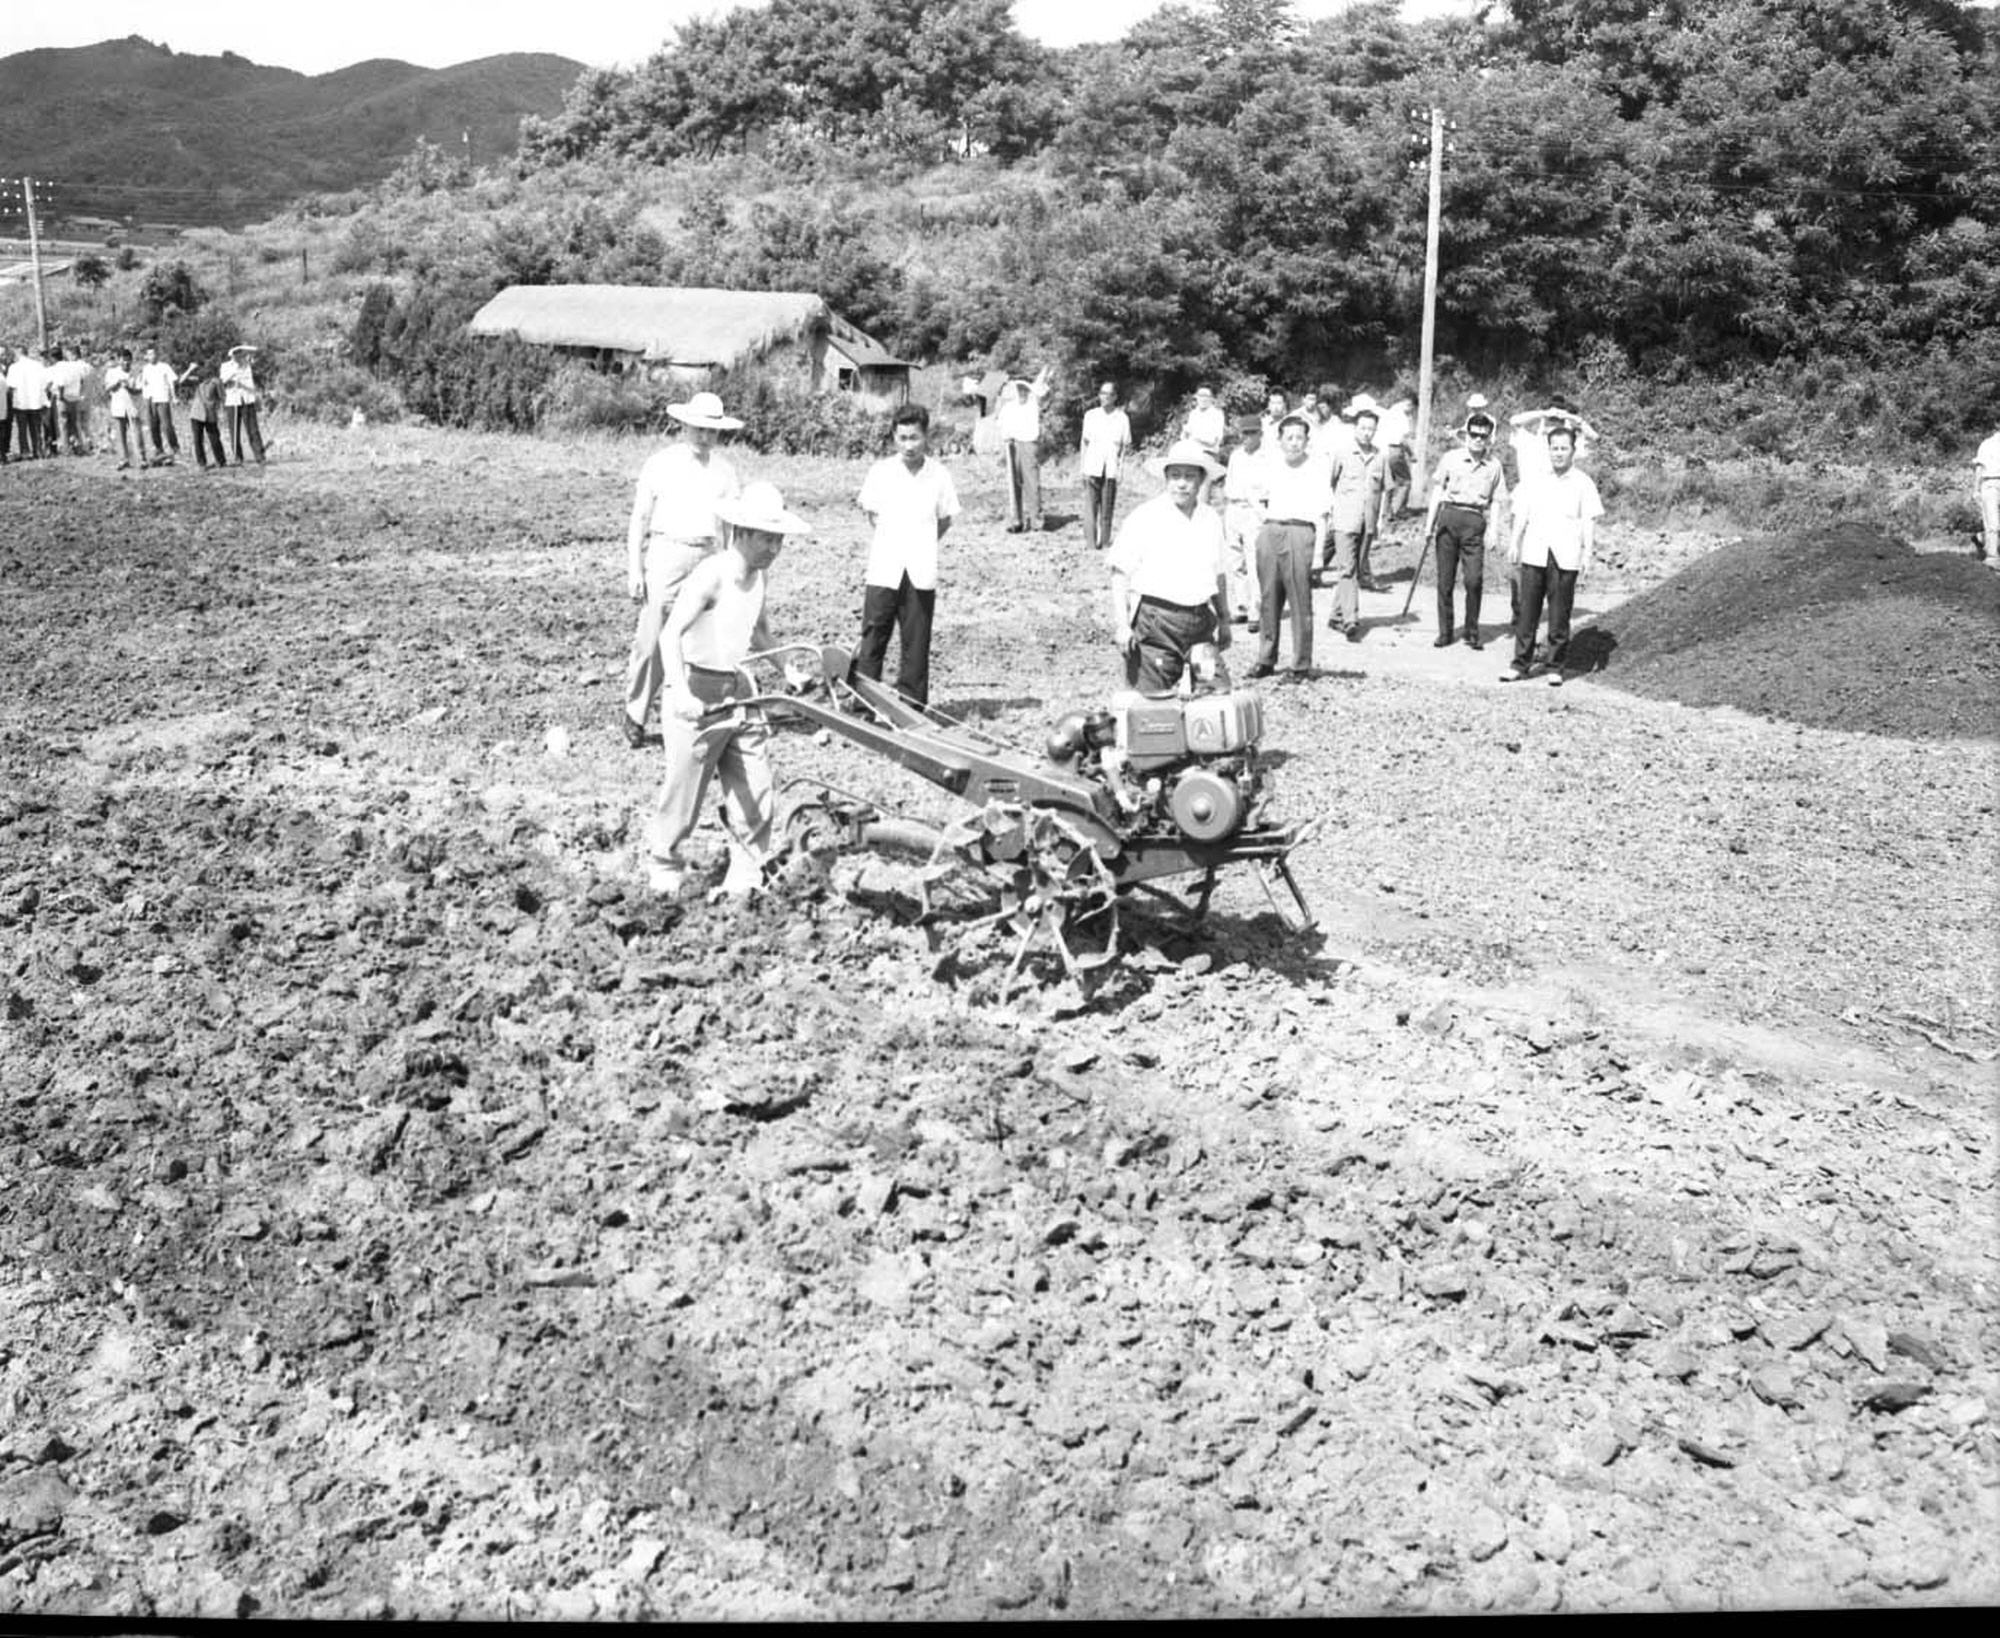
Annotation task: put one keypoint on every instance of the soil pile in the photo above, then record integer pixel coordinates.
(1847, 629)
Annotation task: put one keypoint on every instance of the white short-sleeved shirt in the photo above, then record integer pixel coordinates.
(1208, 427)
(907, 508)
(239, 385)
(118, 385)
(1107, 434)
(1248, 481)
(679, 492)
(1987, 461)
(28, 381)
(156, 382)
(1165, 553)
(1297, 494)
(1551, 511)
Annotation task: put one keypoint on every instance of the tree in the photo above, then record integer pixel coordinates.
(170, 289)
(91, 271)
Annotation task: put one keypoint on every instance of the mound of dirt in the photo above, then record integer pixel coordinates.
(1849, 629)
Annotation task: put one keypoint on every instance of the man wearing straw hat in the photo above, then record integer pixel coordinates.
(1169, 580)
(716, 622)
(239, 403)
(672, 529)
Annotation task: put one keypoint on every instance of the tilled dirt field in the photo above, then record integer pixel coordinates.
(409, 1215)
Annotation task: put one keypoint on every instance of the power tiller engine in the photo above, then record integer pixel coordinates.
(1128, 796)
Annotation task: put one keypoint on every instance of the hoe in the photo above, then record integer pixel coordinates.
(1125, 797)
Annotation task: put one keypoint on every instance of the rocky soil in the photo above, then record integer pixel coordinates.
(409, 1215)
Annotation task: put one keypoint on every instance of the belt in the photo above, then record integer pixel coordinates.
(1290, 523)
(1466, 506)
(1146, 598)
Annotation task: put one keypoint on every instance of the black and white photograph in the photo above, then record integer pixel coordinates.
(912, 810)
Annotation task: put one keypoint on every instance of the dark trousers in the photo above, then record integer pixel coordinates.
(1284, 581)
(131, 440)
(72, 425)
(160, 421)
(906, 610)
(207, 432)
(1100, 500)
(6, 425)
(28, 426)
(1558, 586)
(1162, 635)
(1461, 548)
(243, 425)
(1024, 482)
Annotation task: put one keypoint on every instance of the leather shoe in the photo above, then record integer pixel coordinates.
(1443, 640)
(635, 735)
(1475, 642)
(1262, 670)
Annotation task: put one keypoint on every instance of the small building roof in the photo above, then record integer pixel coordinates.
(716, 328)
(864, 349)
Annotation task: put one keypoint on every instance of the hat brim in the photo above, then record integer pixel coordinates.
(694, 418)
(1161, 465)
(771, 523)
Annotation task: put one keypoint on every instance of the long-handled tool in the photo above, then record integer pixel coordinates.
(1417, 573)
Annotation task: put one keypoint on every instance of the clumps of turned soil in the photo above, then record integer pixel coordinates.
(1842, 629)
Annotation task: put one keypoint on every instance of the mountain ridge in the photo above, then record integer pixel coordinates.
(129, 130)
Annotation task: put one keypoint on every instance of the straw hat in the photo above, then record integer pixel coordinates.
(760, 506)
(704, 409)
(241, 347)
(1185, 452)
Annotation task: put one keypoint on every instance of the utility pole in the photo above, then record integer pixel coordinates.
(35, 262)
(1420, 452)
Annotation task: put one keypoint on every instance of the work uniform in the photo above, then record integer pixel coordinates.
(1469, 489)
(1357, 480)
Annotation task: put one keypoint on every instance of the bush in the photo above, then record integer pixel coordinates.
(783, 419)
(331, 389)
(580, 399)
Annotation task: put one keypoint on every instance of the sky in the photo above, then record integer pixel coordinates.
(315, 39)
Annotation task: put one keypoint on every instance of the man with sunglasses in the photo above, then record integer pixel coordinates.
(1466, 489)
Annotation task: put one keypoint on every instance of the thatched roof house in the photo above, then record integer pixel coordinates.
(697, 337)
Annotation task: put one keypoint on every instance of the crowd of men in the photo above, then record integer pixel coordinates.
(49, 407)
(1239, 534)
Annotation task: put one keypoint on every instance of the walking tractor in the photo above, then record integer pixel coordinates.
(1125, 797)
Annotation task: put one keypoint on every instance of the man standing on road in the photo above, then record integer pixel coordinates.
(1986, 482)
(671, 530)
(1169, 590)
(1555, 529)
(1467, 487)
(1245, 488)
(1019, 424)
(156, 385)
(1107, 434)
(67, 377)
(910, 501)
(1288, 545)
(717, 620)
(1357, 478)
(28, 385)
(239, 403)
